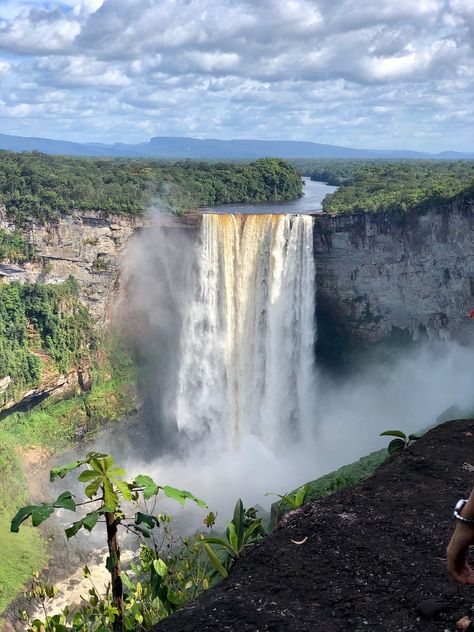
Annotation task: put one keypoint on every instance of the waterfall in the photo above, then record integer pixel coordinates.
(247, 345)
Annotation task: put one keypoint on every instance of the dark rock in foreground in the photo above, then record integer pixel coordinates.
(374, 559)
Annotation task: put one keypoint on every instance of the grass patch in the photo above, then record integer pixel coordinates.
(21, 553)
(345, 476)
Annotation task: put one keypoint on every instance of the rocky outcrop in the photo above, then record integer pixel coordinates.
(86, 245)
(56, 384)
(370, 558)
(389, 276)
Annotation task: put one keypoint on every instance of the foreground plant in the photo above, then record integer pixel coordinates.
(290, 501)
(106, 491)
(242, 531)
(401, 441)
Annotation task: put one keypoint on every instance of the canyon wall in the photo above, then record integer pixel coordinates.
(394, 277)
(381, 277)
(86, 245)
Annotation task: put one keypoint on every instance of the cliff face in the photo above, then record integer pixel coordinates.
(86, 245)
(380, 277)
(383, 276)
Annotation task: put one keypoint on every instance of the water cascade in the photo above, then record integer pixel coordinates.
(247, 347)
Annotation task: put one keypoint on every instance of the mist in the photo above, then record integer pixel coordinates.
(343, 416)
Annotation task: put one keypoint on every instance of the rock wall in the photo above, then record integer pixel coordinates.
(385, 276)
(86, 245)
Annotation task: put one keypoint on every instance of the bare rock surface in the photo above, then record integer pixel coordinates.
(385, 274)
(85, 245)
(374, 558)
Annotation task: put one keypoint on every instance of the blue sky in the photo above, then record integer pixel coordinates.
(361, 73)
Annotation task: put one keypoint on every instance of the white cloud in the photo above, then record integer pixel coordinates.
(333, 71)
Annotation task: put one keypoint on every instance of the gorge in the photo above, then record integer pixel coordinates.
(235, 318)
(381, 278)
(240, 315)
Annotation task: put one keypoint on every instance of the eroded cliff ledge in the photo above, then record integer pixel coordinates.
(372, 557)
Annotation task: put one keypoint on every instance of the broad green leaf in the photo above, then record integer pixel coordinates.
(219, 542)
(238, 522)
(90, 520)
(110, 562)
(65, 501)
(117, 471)
(212, 540)
(73, 529)
(40, 513)
(23, 514)
(397, 445)
(146, 533)
(393, 433)
(87, 475)
(253, 527)
(300, 495)
(91, 490)
(173, 597)
(181, 495)
(123, 488)
(149, 485)
(160, 567)
(232, 535)
(95, 464)
(60, 472)
(215, 561)
(127, 581)
(107, 463)
(151, 521)
(111, 499)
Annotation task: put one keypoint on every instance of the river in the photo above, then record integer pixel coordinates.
(314, 193)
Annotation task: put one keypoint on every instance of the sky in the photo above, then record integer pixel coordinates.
(360, 73)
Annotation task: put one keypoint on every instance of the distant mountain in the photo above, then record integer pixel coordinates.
(211, 148)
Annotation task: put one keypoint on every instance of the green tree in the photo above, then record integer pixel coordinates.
(107, 493)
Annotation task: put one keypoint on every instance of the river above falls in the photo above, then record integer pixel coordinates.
(311, 202)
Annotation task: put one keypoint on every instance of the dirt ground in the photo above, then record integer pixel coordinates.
(374, 558)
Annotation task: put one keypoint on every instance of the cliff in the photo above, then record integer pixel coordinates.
(381, 277)
(370, 557)
(84, 245)
(391, 277)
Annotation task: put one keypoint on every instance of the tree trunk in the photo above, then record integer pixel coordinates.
(114, 555)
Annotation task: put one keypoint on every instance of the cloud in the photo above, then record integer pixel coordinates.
(367, 73)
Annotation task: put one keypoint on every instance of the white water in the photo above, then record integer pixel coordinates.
(227, 333)
(247, 348)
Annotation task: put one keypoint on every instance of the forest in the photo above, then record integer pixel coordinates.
(34, 185)
(400, 186)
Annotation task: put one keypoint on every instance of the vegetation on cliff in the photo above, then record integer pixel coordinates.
(399, 186)
(42, 328)
(42, 187)
(15, 248)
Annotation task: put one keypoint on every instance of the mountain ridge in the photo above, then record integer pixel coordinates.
(179, 147)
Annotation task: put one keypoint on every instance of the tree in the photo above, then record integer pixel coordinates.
(107, 493)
